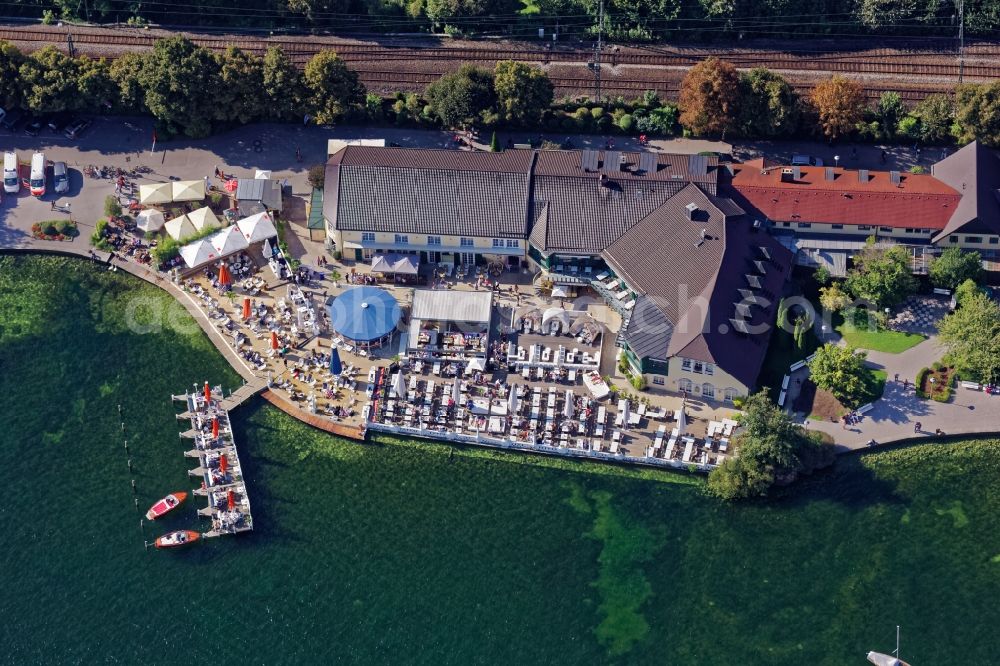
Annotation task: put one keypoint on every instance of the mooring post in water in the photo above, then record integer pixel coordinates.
(136, 504)
(130, 464)
(133, 487)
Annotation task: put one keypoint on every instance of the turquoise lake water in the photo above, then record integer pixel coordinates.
(410, 553)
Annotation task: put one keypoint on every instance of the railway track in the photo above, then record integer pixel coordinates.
(913, 74)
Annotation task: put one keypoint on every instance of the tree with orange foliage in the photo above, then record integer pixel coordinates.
(839, 104)
(710, 94)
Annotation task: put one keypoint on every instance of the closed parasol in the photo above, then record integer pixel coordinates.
(225, 277)
(223, 463)
(274, 340)
(215, 428)
(208, 393)
(231, 500)
(246, 307)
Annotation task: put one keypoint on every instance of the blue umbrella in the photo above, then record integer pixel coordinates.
(336, 367)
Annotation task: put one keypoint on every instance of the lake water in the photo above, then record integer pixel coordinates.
(410, 553)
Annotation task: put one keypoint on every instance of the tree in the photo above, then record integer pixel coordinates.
(242, 76)
(177, 79)
(882, 275)
(841, 371)
(977, 113)
(282, 86)
(710, 94)
(125, 72)
(460, 98)
(523, 92)
(839, 104)
(768, 105)
(954, 267)
(936, 115)
(494, 143)
(96, 87)
(971, 338)
(317, 175)
(11, 85)
(332, 87)
(50, 79)
(833, 298)
(888, 113)
(771, 449)
(965, 291)
(799, 333)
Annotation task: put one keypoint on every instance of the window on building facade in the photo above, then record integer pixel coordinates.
(686, 364)
(466, 242)
(730, 395)
(707, 390)
(887, 230)
(658, 380)
(699, 367)
(497, 242)
(433, 240)
(367, 236)
(973, 239)
(994, 240)
(837, 226)
(685, 385)
(952, 239)
(402, 239)
(864, 227)
(709, 369)
(786, 224)
(804, 225)
(513, 242)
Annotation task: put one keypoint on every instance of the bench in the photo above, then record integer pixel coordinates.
(865, 408)
(784, 382)
(942, 292)
(781, 398)
(972, 386)
(796, 366)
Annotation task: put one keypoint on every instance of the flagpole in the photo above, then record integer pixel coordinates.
(152, 151)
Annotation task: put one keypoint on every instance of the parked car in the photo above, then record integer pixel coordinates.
(76, 128)
(57, 123)
(34, 126)
(11, 179)
(60, 178)
(806, 160)
(36, 181)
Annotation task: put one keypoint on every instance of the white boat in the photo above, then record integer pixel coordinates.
(881, 659)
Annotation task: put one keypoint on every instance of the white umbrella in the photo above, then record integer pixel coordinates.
(228, 241)
(266, 249)
(298, 318)
(188, 190)
(476, 364)
(568, 409)
(681, 422)
(203, 217)
(149, 220)
(624, 411)
(155, 193)
(456, 391)
(257, 227)
(399, 386)
(181, 227)
(198, 253)
(268, 379)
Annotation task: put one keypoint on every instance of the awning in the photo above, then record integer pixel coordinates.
(188, 190)
(229, 240)
(257, 227)
(403, 264)
(560, 291)
(203, 217)
(198, 253)
(155, 193)
(149, 220)
(180, 228)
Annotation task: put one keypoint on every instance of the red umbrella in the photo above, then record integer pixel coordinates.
(246, 307)
(208, 393)
(223, 463)
(231, 500)
(224, 276)
(231, 184)
(215, 428)
(274, 340)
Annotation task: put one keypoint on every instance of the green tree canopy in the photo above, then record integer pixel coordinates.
(965, 291)
(936, 114)
(11, 85)
(841, 371)
(523, 92)
(888, 112)
(768, 104)
(125, 72)
(833, 298)
(239, 99)
(178, 80)
(462, 97)
(953, 267)
(96, 87)
(971, 337)
(710, 94)
(282, 86)
(50, 77)
(882, 275)
(977, 113)
(771, 448)
(332, 87)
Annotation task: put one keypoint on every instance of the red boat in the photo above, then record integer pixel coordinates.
(166, 505)
(177, 539)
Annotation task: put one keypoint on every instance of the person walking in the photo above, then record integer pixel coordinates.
(917, 427)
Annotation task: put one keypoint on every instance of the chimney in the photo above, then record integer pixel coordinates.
(787, 175)
(692, 210)
(862, 175)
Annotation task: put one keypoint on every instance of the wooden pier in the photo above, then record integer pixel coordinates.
(218, 460)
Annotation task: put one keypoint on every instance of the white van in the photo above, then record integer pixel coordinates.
(11, 179)
(37, 178)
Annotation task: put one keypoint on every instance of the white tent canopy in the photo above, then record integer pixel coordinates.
(188, 190)
(257, 227)
(181, 227)
(155, 193)
(476, 364)
(149, 220)
(262, 175)
(198, 253)
(228, 240)
(557, 314)
(203, 217)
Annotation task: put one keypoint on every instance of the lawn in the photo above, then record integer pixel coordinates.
(892, 342)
